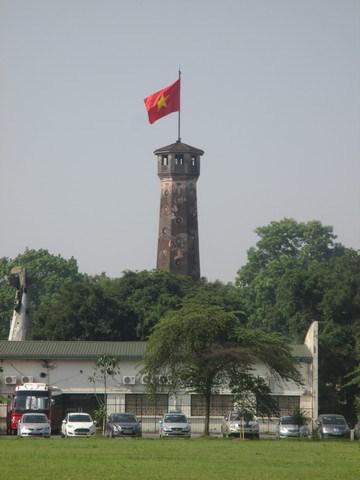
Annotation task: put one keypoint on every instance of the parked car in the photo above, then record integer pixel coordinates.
(175, 424)
(289, 427)
(34, 425)
(332, 426)
(78, 425)
(237, 423)
(123, 424)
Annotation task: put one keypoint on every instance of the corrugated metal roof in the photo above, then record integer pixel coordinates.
(44, 349)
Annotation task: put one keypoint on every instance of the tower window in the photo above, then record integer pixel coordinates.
(164, 160)
(179, 160)
(193, 161)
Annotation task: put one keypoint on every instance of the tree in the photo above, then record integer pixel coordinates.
(201, 348)
(84, 310)
(106, 368)
(46, 274)
(297, 273)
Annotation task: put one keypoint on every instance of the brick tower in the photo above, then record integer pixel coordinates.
(178, 244)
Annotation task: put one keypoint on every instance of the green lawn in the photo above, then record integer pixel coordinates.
(173, 459)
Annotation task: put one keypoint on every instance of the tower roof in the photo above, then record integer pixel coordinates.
(179, 147)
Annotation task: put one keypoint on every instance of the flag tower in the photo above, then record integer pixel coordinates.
(178, 242)
(178, 170)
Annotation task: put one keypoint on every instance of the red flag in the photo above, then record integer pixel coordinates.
(163, 102)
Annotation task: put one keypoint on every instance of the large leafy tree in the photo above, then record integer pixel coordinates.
(47, 273)
(297, 273)
(101, 308)
(201, 348)
(84, 310)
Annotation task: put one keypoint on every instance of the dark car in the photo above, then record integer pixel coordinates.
(123, 424)
(332, 425)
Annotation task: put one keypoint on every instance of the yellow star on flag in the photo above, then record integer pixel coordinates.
(162, 102)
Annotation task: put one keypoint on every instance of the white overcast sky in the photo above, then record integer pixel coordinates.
(270, 91)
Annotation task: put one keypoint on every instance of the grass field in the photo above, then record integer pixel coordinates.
(173, 459)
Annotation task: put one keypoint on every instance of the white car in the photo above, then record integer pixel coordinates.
(34, 425)
(78, 425)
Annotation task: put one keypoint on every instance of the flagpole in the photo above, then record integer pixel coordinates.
(179, 138)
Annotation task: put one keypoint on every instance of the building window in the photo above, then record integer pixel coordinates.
(164, 161)
(287, 404)
(141, 404)
(193, 161)
(179, 160)
(219, 405)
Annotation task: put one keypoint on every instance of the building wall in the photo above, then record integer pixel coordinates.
(72, 377)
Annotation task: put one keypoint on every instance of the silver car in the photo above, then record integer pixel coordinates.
(34, 425)
(332, 426)
(175, 425)
(289, 427)
(236, 424)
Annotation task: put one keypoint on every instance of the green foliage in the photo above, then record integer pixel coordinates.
(299, 417)
(83, 310)
(47, 273)
(100, 415)
(252, 395)
(107, 367)
(201, 348)
(296, 274)
(148, 296)
(125, 308)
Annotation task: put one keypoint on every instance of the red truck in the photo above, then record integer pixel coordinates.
(31, 398)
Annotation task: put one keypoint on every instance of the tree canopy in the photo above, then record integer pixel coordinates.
(46, 272)
(297, 273)
(202, 348)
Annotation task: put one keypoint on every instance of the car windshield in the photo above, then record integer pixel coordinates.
(80, 418)
(34, 419)
(241, 416)
(333, 420)
(118, 417)
(175, 419)
(288, 421)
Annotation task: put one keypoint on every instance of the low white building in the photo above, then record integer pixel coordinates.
(69, 365)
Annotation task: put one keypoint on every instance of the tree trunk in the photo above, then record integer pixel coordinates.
(207, 412)
(105, 406)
